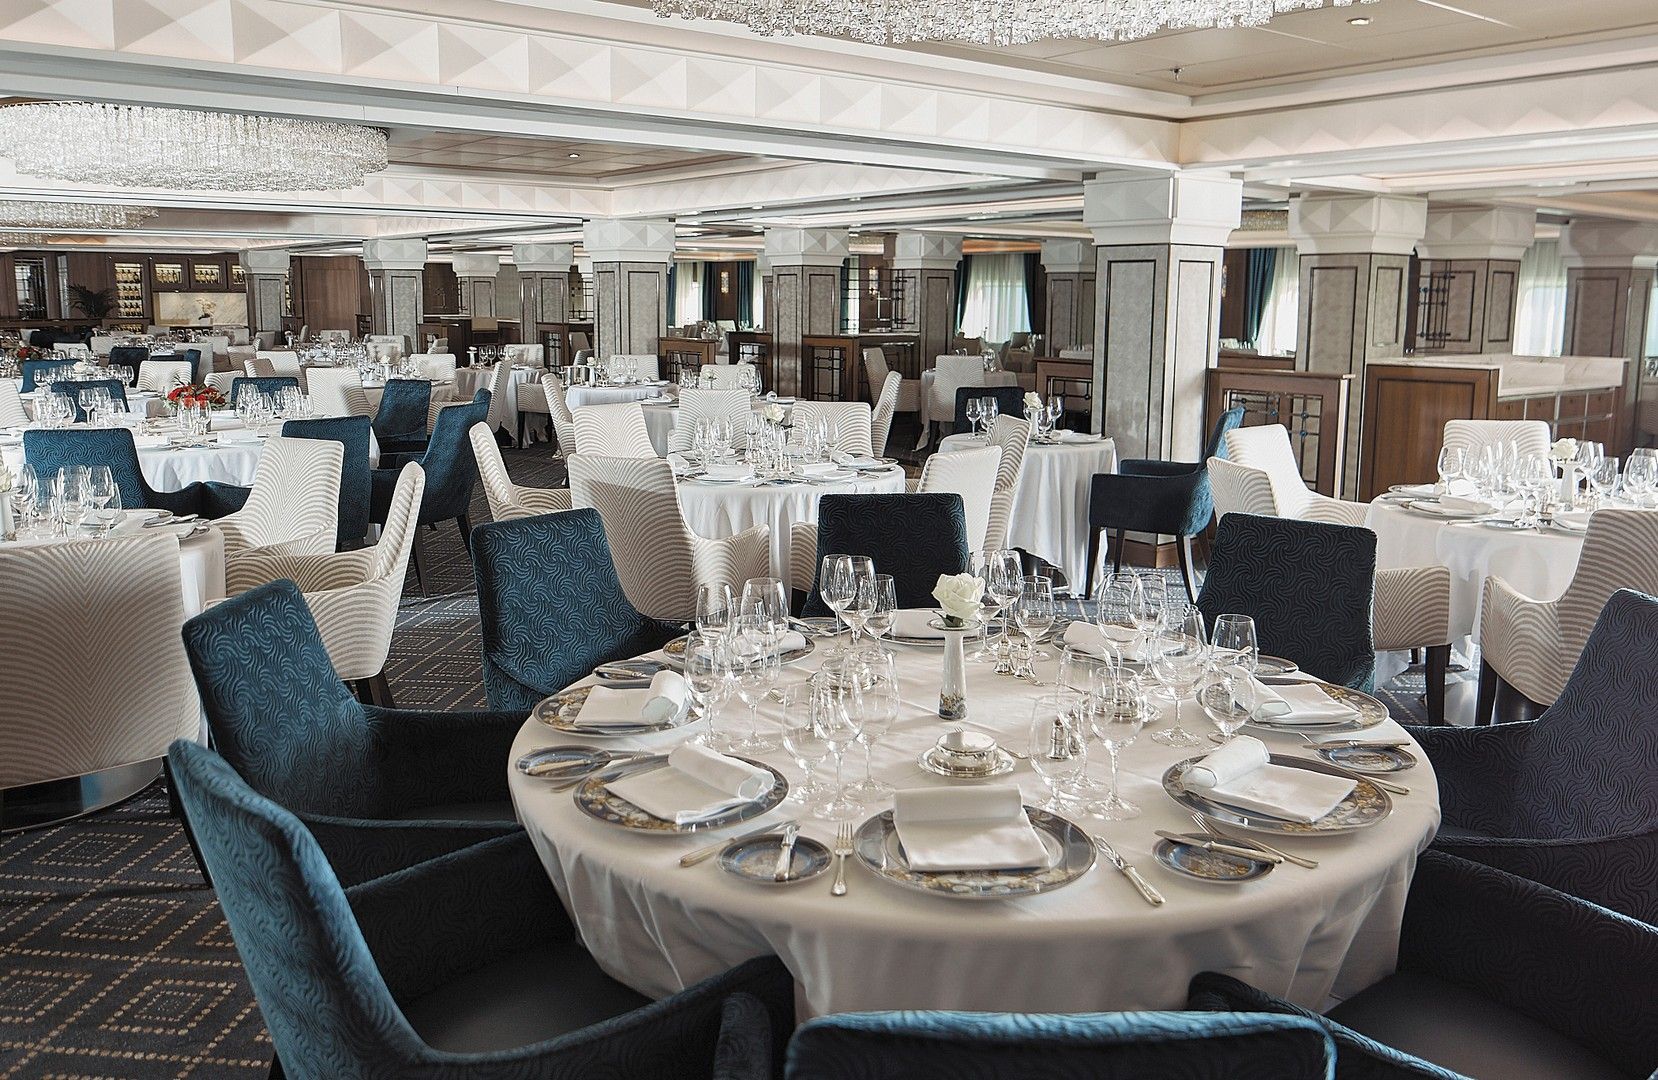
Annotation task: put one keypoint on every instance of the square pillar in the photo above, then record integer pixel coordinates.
(1609, 281)
(630, 283)
(267, 282)
(926, 266)
(1069, 314)
(1474, 257)
(476, 275)
(396, 286)
(543, 285)
(805, 298)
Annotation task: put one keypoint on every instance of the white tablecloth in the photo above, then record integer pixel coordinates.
(577, 396)
(201, 561)
(1312, 936)
(659, 424)
(991, 378)
(1050, 510)
(142, 402)
(469, 380)
(716, 510)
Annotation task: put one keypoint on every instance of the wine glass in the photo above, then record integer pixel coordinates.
(1179, 657)
(754, 663)
(878, 602)
(1604, 479)
(838, 709)
(836, 585)
(1533, 474)
(26, 496)
(1033, 615)
(804, 743)
(1227, 697)
(975, 413)
(1056, 412)
(990, 410)
(1452, 462)
(1119, 714)
(1058, 750)
(766, 597)
(99, 493)
(1640, 475)
(1234, 642)
(1114, 608)
(1150, 599)
(1002, 574)
(860, 570)
(715, 609)
(880, 704)
(708, 675)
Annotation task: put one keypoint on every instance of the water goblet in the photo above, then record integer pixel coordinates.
(1119, 714)
(837, 697)
(767, 598)
(1234, 642)
(1033, 616)
(836, 584)
(715, 609)
(1115, 604)
(805, 744)
(975, 413)
(1452, 461)
(754, 662)
(1058, 748)
(880, 607)
(880, 709)
(1180, 654)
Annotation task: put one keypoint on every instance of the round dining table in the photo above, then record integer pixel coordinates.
(201, 555)
(577, 396)
(716, 510)
(1313, 936)
(1050, 508)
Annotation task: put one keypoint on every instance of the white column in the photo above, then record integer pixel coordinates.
(1609, 280)
(395, 269)
(476, 275)
(543, 284)
(1470, 273)
(630, 282)
(1068, 314)
(267, 279)
(925, 265)
(805, 300)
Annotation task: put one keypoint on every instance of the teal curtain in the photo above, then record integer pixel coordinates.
(710, 291)
(1033, 267)
(1262, 265)
(673, 281)
(964, 270)
(745, 293)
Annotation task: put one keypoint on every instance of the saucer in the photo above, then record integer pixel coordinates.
(934, 762)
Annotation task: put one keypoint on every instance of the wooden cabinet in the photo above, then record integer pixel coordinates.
(207, 274)
(168, 275)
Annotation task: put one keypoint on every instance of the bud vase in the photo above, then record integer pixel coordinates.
(8, 531)
(1568, 485)
(952, 690)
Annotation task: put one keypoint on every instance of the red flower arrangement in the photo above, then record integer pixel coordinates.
(28, 352)
(197, 394)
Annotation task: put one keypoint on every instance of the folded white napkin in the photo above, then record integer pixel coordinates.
(1458, 504)
(728, 472)
(679, 463)
(912, 623)
(1086, 637)
(149, 442)
(1078, 436)
(854, 461)
(238, 438)
(1239, 775)
(1388, 731)
(1418, 491)
(698, 783)
(1308, 705)
(818, 468)
(791, 641)
(660, 702)
(977, 828)
(1572, 519)
(1460, 488)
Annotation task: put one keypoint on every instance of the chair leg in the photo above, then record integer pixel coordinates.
(374, 690)
(1093, 559)
(276, 1069)
(1487, 700)
(415, 550)
(177, 809)
(1439, 658)
(464, 523)
(1117, 557)
(1184, 548)
(520, 429)
(1512, 706)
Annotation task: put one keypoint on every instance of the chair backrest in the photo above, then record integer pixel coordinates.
(451, 467)
(397, 536)
(1102, 1046)
(118, 603)
(616, 430)
(1012, 435)
(723, 376)
(951, 373)
(645, 365)
(913, 537)
(36, 373)
(1473, 436)
(282, 361)
(498, 486)
(295, 495)
(1307, 584)
(338, 391)
(259, 367)
(1230, 420)
(648, 539)
(550, 605)
(1267, 448)
(876, 369)
(528, 355)
(200, 360)
(578, 340)
(851, 423)
(558, 410)
(500, 378)
(261, 384)
(435, 365)
(73, 387)
(972, 475)
(404, 407)
(694, 405)
(127, 356)
(1010, 401)
(12, 412)
(352, 433)
(1620, 551)
(1240, 489)
(886, 404)
(163, 375)
(49, 451)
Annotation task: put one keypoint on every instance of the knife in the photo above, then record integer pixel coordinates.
(1207, 844)
(1152, 896)
(785, 854)
(691, 858)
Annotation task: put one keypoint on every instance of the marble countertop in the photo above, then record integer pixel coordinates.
(1530, 376)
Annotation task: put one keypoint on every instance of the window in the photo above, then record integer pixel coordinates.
(996, 304)
(1540, 314)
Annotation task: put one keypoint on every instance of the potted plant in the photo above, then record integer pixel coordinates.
(95, 304)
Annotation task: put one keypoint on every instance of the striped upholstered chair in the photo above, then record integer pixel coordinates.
(12, 413)
(729, 406)
(659, 560)
(1267, 447)
(849, 423)
(613, 430)
(1528, 646)
(293, 507)
(971, 474)
(352, 433)
(508, 500)
(1473, 436)
(886, 406)
(1012, 436)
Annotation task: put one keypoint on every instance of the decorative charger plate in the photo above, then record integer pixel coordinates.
(1275, 665)
(1364, 806)
(562, 712)
(1434, 510)
(932, 761)
(1370, 712)
(1196, 861)
(1368, 759)
(1070, 855)
(675, 651)
(596, 800)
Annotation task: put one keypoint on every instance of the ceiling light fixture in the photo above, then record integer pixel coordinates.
(185, 149)
(575, 156)
(882, 22)
(73, 216)
(1359, 20)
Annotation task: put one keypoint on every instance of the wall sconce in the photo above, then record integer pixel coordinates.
(725, 282)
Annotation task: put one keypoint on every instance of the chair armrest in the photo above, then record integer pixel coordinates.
(732, 558)
(1336, 511)
(312, 573)
(543, 500)
(444, 757)
(430, 922)
(219, 500)
(1583, 971)
(1150, 467)
(1605, 870)
(1476, 767)
(747, 1045)
(361, 849)
(1513, 627)
(1412, 608)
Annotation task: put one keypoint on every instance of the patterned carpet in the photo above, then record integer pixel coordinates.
(114, 959)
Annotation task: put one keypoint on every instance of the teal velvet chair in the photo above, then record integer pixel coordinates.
(400, 421)
(34, 372)
(1083, 1046)
(464, 966)
(380, 788)
(262, 384)
(551, 607)
(49, 451)
(72, 389)
(1010, 401)
(915, 537)
(451, 474)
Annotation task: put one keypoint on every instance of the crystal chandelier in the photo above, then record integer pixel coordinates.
(183, 149)
(21, 239)
(71, 216)
(998, 22)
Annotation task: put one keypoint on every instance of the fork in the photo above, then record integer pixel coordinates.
(1213, 830)
(843, 848)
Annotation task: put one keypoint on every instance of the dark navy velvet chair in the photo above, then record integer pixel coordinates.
(915, 537)
(400, 421)
(551, 606)
(1097, 1046)
(1163, 497)
(1307, 584)
(352, 433)
(1498, 977)
(263, 384)
(128, 355)
(451, 474)
(73, 387)
(1010, 401)
(33, 371)
(1569, 799)
(199, 365)
(49, 451)
(380, 788)
(461, 967)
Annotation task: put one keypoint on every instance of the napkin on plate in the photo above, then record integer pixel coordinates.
(1388, 731)
(818, 468)
(1576, 520)
(854, 461)
(679, 463)
(1308, 705)
(1078, 436)
(1086, 637)
(663, 700)
(912, 623)
(1418, 491)
(238, 437)
(1239, 775)
(790, 641)
(977, 828)
(728, 472)
(1458, 504)
(149, 442)
(697, 783)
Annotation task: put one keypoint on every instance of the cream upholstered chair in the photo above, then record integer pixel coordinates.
(558, 407)
(532, 401)
(160, 376)
(12, 413)
(1267, 448)
(851, 423)
(880, 421)
(645, 365)
(353, 595)
(294, 506)
(525, 355)
(950, 373)
(259, 367)
(1532, 645)
(338, 391)
(222, 380)
(501, 414)
(1473, 436)
(694, 405)
(659, 560)
(119, 604)
(616, 430)
(435, 365)
(385, 348)
(506, 499)
(972, 475)
(282, 361)
(579, 341)
(1012, 435)
(877, 370)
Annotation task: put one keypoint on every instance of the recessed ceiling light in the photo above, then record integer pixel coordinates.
(575, 155)
(1359, 20)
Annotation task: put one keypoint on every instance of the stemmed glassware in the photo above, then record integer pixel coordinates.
(1117, 601)
(837, 585)
(708, 674)
(1234, 643)
(26, 496)
(752, 646)
(1452, 463)
(767, 598)
(1179, 657)
(1033, 615)
(805, 743)
(1640, 476)
(1227, 697)
(877, 604)
(102, 497)
(1058, 747)
(1056, 412)
(1533, 476)
(838, 712)
(1151, 593)
(880, 709)
(715, 609)
(1118, 715)
(975, 413)
(1003, 575)
(1603, 481)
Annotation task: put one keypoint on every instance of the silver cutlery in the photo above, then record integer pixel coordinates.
(702, 854)
(584, 776)
(169, 519)
(1209, 843)
(785, 853)
(1214, 830)
(1385, 785)
(601, 759)
(1352, 744)
(843, 849)
(1151, 895)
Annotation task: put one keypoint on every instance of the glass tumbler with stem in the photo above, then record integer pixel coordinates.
(1150, 606)
(755, 664)
(836, 585)
(1603, 481)
(975, 413)
(1058, 748)
(1003, 575)
(767, 598)
(1452, 461)
(708, 674)
(1234, 643)
(26, 497)
(1089, 676)
(1640, 475)
(1118, 715)
(1179, 657)
(1033, 615)
(103, 497)
(805, 744)
(1115, 604)
(880, 702)
(837, 699)
(715, 608)
(1227, 697)
(880, 607)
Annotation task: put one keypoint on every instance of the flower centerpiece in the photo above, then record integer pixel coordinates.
(773, 413)
(1563, 453)
(959, 597)
(195, 395)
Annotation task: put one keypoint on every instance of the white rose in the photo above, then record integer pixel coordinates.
(774, 413)
(1033, 403)
(1563, 449)
(959, 595)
